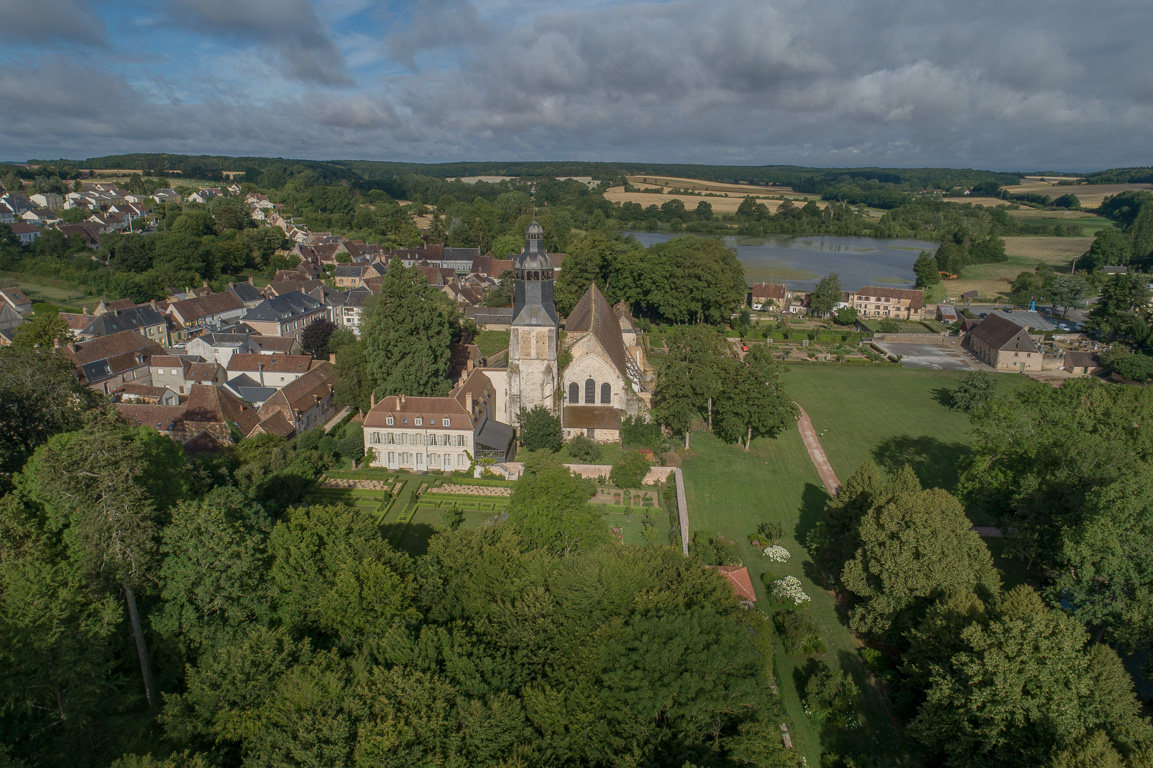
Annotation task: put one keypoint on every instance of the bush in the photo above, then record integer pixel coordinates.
(540, 430)
(799, 633)
(888, 325)
(829, 694)
(714, 550)
(451, 518)
(629, 471)
(583, 449)
(639, 433)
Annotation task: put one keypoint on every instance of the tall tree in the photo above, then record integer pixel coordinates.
(690, 377)
(685, 280)
(39, 397)
(406, 331)
(926, 270)
(213, 576)
(914, 547)
(753, 402)
(1123, 309)
(550, 510)
(1022, 686)
(826, 295)
(1067, 291)
(314, 339)
(93, 488)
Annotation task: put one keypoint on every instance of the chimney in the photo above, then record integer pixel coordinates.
(371, 400)
(468, 402)
(204, 284)
(250, 280)
(402, 401)
(469, 366)
(86, 309)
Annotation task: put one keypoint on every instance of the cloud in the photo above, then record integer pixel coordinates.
(982, 84)
(289, 28)
(50, 21)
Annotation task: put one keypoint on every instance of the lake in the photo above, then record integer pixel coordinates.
(799, 261)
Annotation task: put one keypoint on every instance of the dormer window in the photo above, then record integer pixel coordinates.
(446, 422)
(388, 420)
(419, 421)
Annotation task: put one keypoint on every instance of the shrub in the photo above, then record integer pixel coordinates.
(799, 633)
(771, 530)
(540, 430)
(639, 433)
(888, 325)
(777, 554)
(629, 471)
(583, 449)
(829, 694)
(789, 590)
(451, 518)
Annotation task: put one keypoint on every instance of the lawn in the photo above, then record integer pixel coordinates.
(1025, 253)
(491, 342)
(892, 416)
(730, 491)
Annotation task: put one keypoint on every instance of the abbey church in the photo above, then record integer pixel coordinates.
(602, 380)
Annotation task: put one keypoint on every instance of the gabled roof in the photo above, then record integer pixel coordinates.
(1004, 335)
(281, 345)
(130, 319)
(124, 342)
(208, 404)
(201, 372)
(775, 291)
(739, 580)
(15, 297)
(302, 394)
(275, 424)
(254, 361)
(245, 291)
(916, 298)
(205, 306)
(592, 314)
(281, 308)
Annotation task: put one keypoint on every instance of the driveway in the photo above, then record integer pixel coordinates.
(929, 356)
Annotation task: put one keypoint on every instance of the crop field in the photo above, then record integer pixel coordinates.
(724, 198)
(677, 182)
(1090, 195)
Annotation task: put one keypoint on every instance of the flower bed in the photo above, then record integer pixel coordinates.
(364, 485)
(472, 490)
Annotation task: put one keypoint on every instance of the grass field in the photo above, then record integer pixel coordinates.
(892, 416)
(63, 293)
(1025, 253)
(491, 342)
(730, 492)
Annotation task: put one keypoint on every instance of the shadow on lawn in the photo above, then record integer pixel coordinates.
(934, 461)
(944, 396)
(812, 511)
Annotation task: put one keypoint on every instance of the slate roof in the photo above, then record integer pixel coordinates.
(129, 319)
(246, 292)
(283, 307)
(275, 344)
(592, 314)
(1004, 335)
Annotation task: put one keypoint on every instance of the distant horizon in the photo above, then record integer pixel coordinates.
(1018, 171)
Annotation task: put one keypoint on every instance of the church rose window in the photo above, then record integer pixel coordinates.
(590, 391)
(574, 393)
(606, 393)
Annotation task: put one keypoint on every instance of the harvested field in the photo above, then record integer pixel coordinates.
(725, 204)
(1090, 195)
(677, 182)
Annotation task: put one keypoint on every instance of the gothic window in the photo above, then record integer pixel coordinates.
(574, 393)
(606, 393)
(590, 391)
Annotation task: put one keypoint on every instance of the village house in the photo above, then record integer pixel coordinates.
(304, 403)
(277, 345)
(246, 292)
(350, 313)
(285, 315)
(1082, 364)
(1004, 345)
(17, 300)
(220, 347)
(438, 433)
(180, 372)
(26, 233)
(268, 370)
(106, 362)
(897, 303)
(211, 419)
(205, 313)
(148, 395)
(107, 320)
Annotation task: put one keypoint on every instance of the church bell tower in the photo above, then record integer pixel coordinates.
(532, 348)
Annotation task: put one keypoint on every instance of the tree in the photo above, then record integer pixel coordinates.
(689, 378)
(39, 396)
(926, 270)
(1068, 200)
(973, 392)
(685, 280)
(1022, 685)
(1110, 248)
(352, 383)
(629, 470)
(1141, 234)
(46, 330)
(703, 211)
(550, 510)
(314, 339)
(92, 485)
(846, 316)
(915, 546)
(1123, 309)
(213, 576)
(826, 295)
(753, 403)
(1067, 291)
(583, 449)
(540, 430)
(406, 332)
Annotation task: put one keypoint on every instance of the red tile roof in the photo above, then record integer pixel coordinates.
(739, 580)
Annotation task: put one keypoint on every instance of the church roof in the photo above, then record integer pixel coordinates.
(592, 314)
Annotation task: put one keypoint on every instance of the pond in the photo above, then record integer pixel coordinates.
(799, 261)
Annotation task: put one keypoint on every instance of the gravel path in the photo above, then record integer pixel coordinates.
(817, 453)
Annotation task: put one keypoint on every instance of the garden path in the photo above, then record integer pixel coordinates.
(817, 453)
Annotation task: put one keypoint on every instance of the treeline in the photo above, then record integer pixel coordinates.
(210, 167)
(157, 612)
(984, 675)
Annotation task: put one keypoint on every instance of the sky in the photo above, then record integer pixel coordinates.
(1050, 85)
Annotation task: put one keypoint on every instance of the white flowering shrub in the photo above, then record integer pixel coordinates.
(789, 588)
(777, 553)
